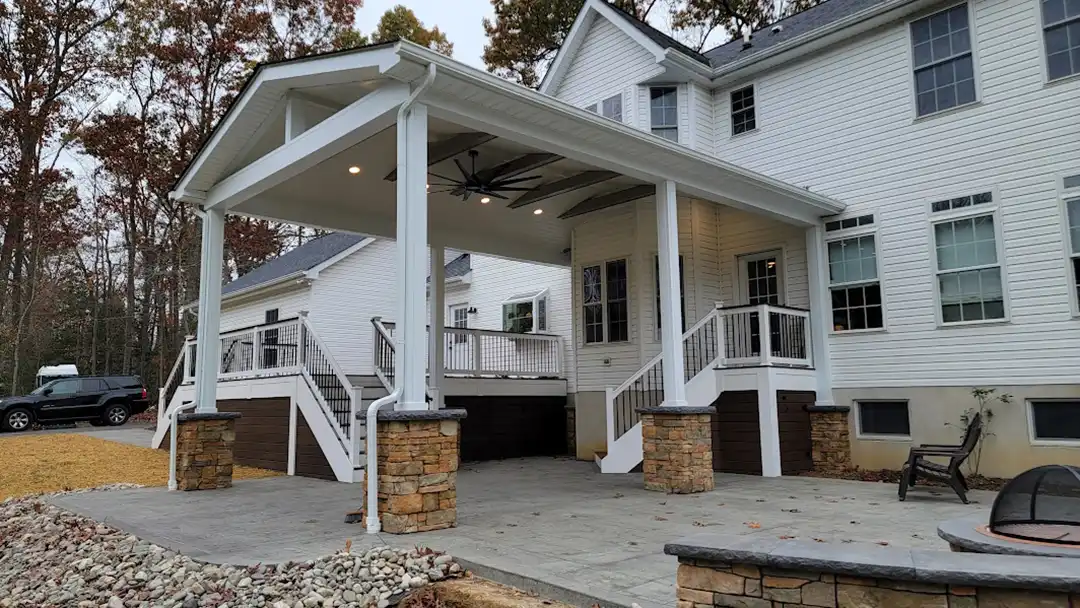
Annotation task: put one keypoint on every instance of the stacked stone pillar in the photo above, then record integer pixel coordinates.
(830, 438)
(418, 455)
(204, 450)
(677, 445)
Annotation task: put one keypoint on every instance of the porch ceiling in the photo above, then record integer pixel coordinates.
(349, 101)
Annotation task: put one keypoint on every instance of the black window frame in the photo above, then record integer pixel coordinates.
(1065, 25)
(937, 72)
(1062, 420)
(743, 110)
(861, 406)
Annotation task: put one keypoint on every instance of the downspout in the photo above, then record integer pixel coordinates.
(370, 445)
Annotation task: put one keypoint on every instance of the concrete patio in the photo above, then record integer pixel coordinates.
(555, 526)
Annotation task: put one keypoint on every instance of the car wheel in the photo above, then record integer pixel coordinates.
(16, 420)
(116, 414)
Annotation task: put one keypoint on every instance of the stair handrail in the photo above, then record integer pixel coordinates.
(612, 394)
(165, 393)
(308, 330)
(383, 339)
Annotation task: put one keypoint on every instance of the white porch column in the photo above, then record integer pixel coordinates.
(820, 307)
(208, 350)
(437, 344)
(769, 423)
(412, 228)
(667, 232)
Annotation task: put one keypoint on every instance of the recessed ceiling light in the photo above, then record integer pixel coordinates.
(538, 212)
(485, 200)
(354, 170)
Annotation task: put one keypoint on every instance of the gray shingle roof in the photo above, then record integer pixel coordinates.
(798, 24)
(304, 257)
(659, 37)
(458, 266)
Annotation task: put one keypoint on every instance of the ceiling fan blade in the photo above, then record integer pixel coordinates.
(513, 189)
(466, 196)
(443, 191)
(496, 195)
(449, 179)
(517, 180)
(461, 167)
(455, 184)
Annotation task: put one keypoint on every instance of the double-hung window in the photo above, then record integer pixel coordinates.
(612, 108)
(941, 56)
(742, 110)
(664, 112)
(854, 285)
(605, 302)
(968, 267)
(1061, 30)
(1072, 213)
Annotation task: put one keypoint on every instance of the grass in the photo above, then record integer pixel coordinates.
(36, 463)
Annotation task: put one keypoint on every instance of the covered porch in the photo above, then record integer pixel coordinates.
(397, 141)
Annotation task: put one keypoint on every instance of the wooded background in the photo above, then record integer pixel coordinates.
(104, 102)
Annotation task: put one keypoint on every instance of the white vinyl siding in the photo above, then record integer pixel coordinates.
(869, 153)
(607, 62)
(252, 311)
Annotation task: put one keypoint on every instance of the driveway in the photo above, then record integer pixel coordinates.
(557, 522)
(132, 433)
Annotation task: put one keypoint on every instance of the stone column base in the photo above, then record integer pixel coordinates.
(204, 450)
(830, 438)
(677, 444)
(417, 470)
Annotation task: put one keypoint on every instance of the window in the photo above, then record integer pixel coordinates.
(1055, 420)
(1072, 212)
(1061, 29)
(92, 385)
(605, 303)
(664, 110)
(851, 222)
(592, 108)
(742, 110)
(525, 313)
(961, 202)
(854, 285)
(459, 319)
(65, 387)
(612, 107)
(941, 55)
(682, 293)
(968, 269)
(884, 418)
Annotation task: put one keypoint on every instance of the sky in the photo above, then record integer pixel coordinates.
(459, 19)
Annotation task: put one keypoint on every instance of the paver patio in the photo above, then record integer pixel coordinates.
(559, 522)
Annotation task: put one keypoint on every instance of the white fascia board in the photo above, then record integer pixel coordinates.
(313, 272)
(353, 124)
(582, 24)
(705, 180)
(297, 278)
(679, 67)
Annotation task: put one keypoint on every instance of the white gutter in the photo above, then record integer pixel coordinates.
(172, 442)
(370, 446)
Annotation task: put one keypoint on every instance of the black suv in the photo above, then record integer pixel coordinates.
(99, 400)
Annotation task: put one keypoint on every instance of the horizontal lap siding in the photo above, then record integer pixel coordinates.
(742, 233)
(262, 432)
(289, 304)
(310, 459)
(607, 62)
(841, 123)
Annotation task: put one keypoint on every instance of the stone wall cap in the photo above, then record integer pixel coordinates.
(678, 411)
(828, 408)
(962, 532)
(398, 415)
(873, 561)
(208, 416)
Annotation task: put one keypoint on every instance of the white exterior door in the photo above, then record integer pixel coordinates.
(459, 347)
(761, 281)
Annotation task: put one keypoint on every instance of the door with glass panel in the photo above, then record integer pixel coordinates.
(459, 347)
(761, 282)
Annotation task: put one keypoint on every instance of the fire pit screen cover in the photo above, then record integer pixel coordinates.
(1042, 504)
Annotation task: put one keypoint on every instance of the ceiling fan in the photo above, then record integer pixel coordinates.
(485, 183)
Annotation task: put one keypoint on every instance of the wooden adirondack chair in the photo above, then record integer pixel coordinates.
(918, 466)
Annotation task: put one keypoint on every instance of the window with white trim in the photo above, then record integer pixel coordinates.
(854, 285)
(1072, 213)
(612, 107)
(459, 319)
(1055, 419)
(941, 57)
(664, 112)
(525, 313)
(968, 270)
(605, 302)
(682, 294)
(1061, 31)
(884, 419)
(743, 117)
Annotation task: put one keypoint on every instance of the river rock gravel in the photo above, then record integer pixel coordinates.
(53, 558)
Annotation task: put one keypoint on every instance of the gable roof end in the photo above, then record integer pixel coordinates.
(660, 38)
(303, 258)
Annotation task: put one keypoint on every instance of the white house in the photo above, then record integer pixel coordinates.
(870, 205)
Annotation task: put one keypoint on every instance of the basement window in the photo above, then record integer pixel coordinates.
(526, 313)
(1055, 420)
(885, 419)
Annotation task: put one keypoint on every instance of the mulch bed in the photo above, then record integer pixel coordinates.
(975, 482)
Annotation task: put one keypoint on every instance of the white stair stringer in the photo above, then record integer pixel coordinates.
(325, 435)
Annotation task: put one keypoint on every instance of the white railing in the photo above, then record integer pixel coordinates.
(766, 335)
(329, 384)
(702, 349)
(479, 353)
(167, 390)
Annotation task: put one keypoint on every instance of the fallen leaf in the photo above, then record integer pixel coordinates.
(536, 513)
(752, 524)
(632, 543)
(720, 504)
(790, 510)
(348, 545)
(663, 502)
(498, 532)
(760, 500)
(511, 525)
(658, 518)
(883, 543)
(785, 537)
(793, 497)
(819, 540)
(618, 495)
(847, 540)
